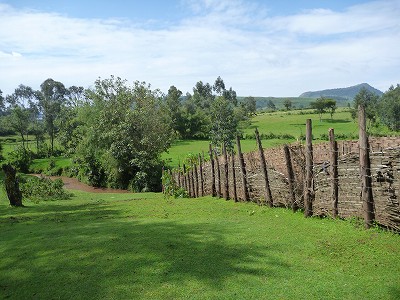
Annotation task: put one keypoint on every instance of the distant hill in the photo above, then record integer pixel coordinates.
(342, 94)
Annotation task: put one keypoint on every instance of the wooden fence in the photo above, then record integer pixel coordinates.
(337, 179)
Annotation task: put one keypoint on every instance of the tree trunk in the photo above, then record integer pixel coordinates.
(12, 186)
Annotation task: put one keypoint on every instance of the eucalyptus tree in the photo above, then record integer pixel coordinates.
(52, 98)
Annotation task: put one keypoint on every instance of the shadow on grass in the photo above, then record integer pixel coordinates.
(87, 252)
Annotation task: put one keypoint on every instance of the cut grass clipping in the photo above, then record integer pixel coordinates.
(140, 246)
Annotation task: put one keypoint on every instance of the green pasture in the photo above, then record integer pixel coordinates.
(294, 123)
(141, 246)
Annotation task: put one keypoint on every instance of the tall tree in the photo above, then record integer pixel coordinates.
(370, 101)
(51, 101)
(389, 108)
(1, 102)
(173, 101)
(224, 124)
(21, 113)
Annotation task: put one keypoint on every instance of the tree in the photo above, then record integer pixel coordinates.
(330, 105)
(287, 104)
(249, 105)
(174, 105)
(52, 98)
(369, 100)
(1, 102)
(224, 124)
(126, 130)
(21, 115)
(271, 105)
(321, 105)
(219, 86)
(18, 120)
(389, 108)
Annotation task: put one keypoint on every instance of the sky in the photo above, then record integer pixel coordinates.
(259, 48)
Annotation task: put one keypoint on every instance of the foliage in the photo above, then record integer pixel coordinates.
(249, 106)
(321, 105)
(389, 108)
(126, 130)
(170, 187)
(20, 159)
(224, 124)
(370, 101)
(51, 100)
(287, 103)
(38, 189)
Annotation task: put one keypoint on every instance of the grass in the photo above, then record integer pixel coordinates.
(140, 246)
(294, 123)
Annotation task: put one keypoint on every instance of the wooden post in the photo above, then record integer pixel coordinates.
(309, 184)
(289, 167)
(234, 178)
(334, 172)
(201, 176)
(268, 194)
(226, 170)
(365, 170)
(179, 175)
(196, 175)
(213, 191)
(192, 179)
(219, 193)
(243, 168)
(185, 183)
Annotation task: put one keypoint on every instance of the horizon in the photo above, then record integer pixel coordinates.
(259, 48)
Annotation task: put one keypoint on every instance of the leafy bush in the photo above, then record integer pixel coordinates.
(171, 188)
(21, 159)
(36, 189)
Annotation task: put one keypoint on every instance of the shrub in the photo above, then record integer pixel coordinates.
(36, 189)
(171, 189)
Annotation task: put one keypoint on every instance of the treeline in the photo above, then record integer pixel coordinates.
(115, 132)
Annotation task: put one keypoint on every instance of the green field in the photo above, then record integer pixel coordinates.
(141, 246)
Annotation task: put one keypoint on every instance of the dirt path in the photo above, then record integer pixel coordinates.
(75, 184)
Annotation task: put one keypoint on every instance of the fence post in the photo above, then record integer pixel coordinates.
(192, 181)
(201, 176)
(213, 192)
(234, 177)
(185, 183)
(243, 168)
(289, 167)
(309, 184)
(226, 170)
(218, 174)
(196, 175)
(334, 172)
(268, 194)
(365, 170)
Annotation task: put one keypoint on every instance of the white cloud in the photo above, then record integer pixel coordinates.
(255, 54)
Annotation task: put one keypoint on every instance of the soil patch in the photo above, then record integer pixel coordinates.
(75, 184)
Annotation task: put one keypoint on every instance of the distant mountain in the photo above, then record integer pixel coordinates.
(342, 94)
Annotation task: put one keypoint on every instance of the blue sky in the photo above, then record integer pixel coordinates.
(260, 48)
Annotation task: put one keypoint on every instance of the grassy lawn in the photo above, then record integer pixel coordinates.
(140, 246)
